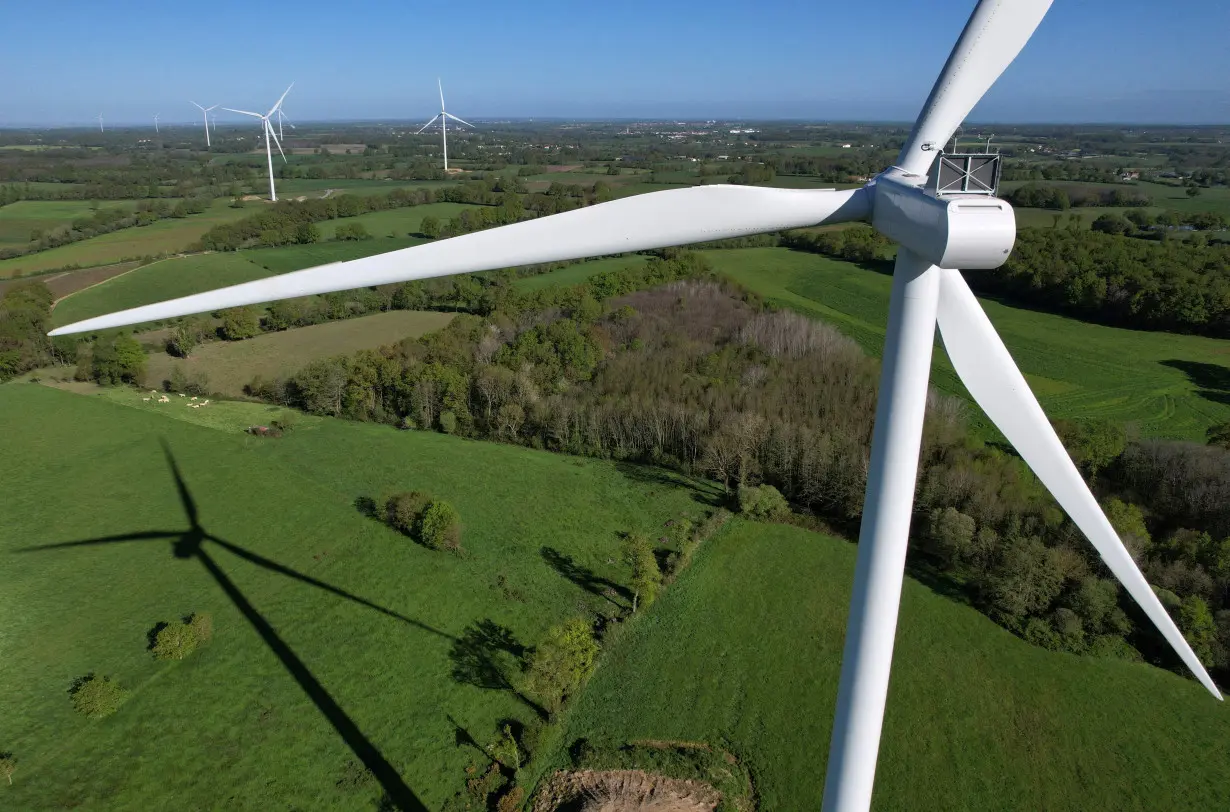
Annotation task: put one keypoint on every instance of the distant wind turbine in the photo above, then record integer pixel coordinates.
(100, 123)
(269, 136)
(156, 122)
(205, 112)
(443, 117)
(283, 117)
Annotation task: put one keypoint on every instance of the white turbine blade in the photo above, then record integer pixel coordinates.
(428, 124)
(655, 220)
(441, 87)
(995, 34)
(280, 98)
(276, 142)
(989, 373)
(454, 118)
(207, 109)
(245, 112)
(194, 104)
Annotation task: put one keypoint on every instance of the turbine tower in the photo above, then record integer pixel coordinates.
(938, 232)
(281, 118)
(443, 116)
(156, 122)
(267, 128)
(205, 112)
(100, 123)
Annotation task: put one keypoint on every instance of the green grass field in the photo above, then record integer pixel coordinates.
(164, 236)
(295, 257)
(745, 651)
(398, 222)
(229, 365)
(18, 219)
(576, 274)
(351, 186)
(167, 279)
(1075, 368)
(362, 613)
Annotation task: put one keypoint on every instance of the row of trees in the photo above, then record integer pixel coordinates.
(25, 313)
(1166, 285)
(1042, 196)
(108, 219)
(695, 376)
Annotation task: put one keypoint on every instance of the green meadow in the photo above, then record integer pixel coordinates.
(1163, 384)
(336, 640)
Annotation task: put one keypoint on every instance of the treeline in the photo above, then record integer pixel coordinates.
(1165, 285)
(108, 219)
(1058, 170)
(697, 377)
(857, 243)
(25, 310)
(1041, 196)
(290, 221)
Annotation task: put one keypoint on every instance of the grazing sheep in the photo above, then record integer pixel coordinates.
(205, 403)
(145, 399)
(181, 394)
(194, 397)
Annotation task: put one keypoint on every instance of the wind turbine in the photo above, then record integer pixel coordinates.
(443, 117)
(283, 117)
(205, 112)
(100, 123)
(937, 234)
(156, 122)
(269, 136)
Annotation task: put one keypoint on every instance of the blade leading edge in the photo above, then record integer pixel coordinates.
(638, 223)
(989, 373)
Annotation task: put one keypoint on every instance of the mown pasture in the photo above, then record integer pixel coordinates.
(1164, 384)
(230, 365)
(395, 222)
(166, 279)
(162, 237)
(18, 220)
(332, 634)
(745, 652)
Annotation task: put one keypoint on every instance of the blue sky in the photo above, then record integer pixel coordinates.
(1091, 60)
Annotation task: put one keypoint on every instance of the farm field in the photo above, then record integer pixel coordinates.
(161, 237)
(397, 222)
(62, 283)
(293, 187)
(166, 279)
(367, 620)
(745, 652)
(1166, 385)
(576, 274)
(1216, 199)
(18, 220)
(295, 257)
(230, 365)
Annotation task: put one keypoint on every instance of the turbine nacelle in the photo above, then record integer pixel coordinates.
(974, 232)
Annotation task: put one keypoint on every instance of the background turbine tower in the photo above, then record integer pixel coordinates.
(205, 112)
(156, 122)
(267, 127)
(281, 118)
(443, 116)
(937, 231)
(100, 123)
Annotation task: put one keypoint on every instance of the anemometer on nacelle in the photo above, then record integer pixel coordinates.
(951, 218)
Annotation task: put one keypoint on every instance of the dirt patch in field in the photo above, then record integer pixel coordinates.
(564, 167)
(623, 791)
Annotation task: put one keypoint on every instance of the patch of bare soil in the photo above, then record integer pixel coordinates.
(623, 791)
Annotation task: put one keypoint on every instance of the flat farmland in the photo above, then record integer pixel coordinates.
(167, 279)
(18, 219)
(230, 365)
(577, 274)
(162, 237)
(296, 257)
(1166, 385)
(398, 222)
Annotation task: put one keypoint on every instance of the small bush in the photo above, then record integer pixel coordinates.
(441, 527)
(175, 641)
(448, 422)
(762, 503)
(511, 800)
(403, 511)
(96, 696)
(8, 766)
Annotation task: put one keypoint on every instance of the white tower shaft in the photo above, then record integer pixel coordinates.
(885, 531)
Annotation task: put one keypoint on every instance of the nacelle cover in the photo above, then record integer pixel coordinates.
(955, 231)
